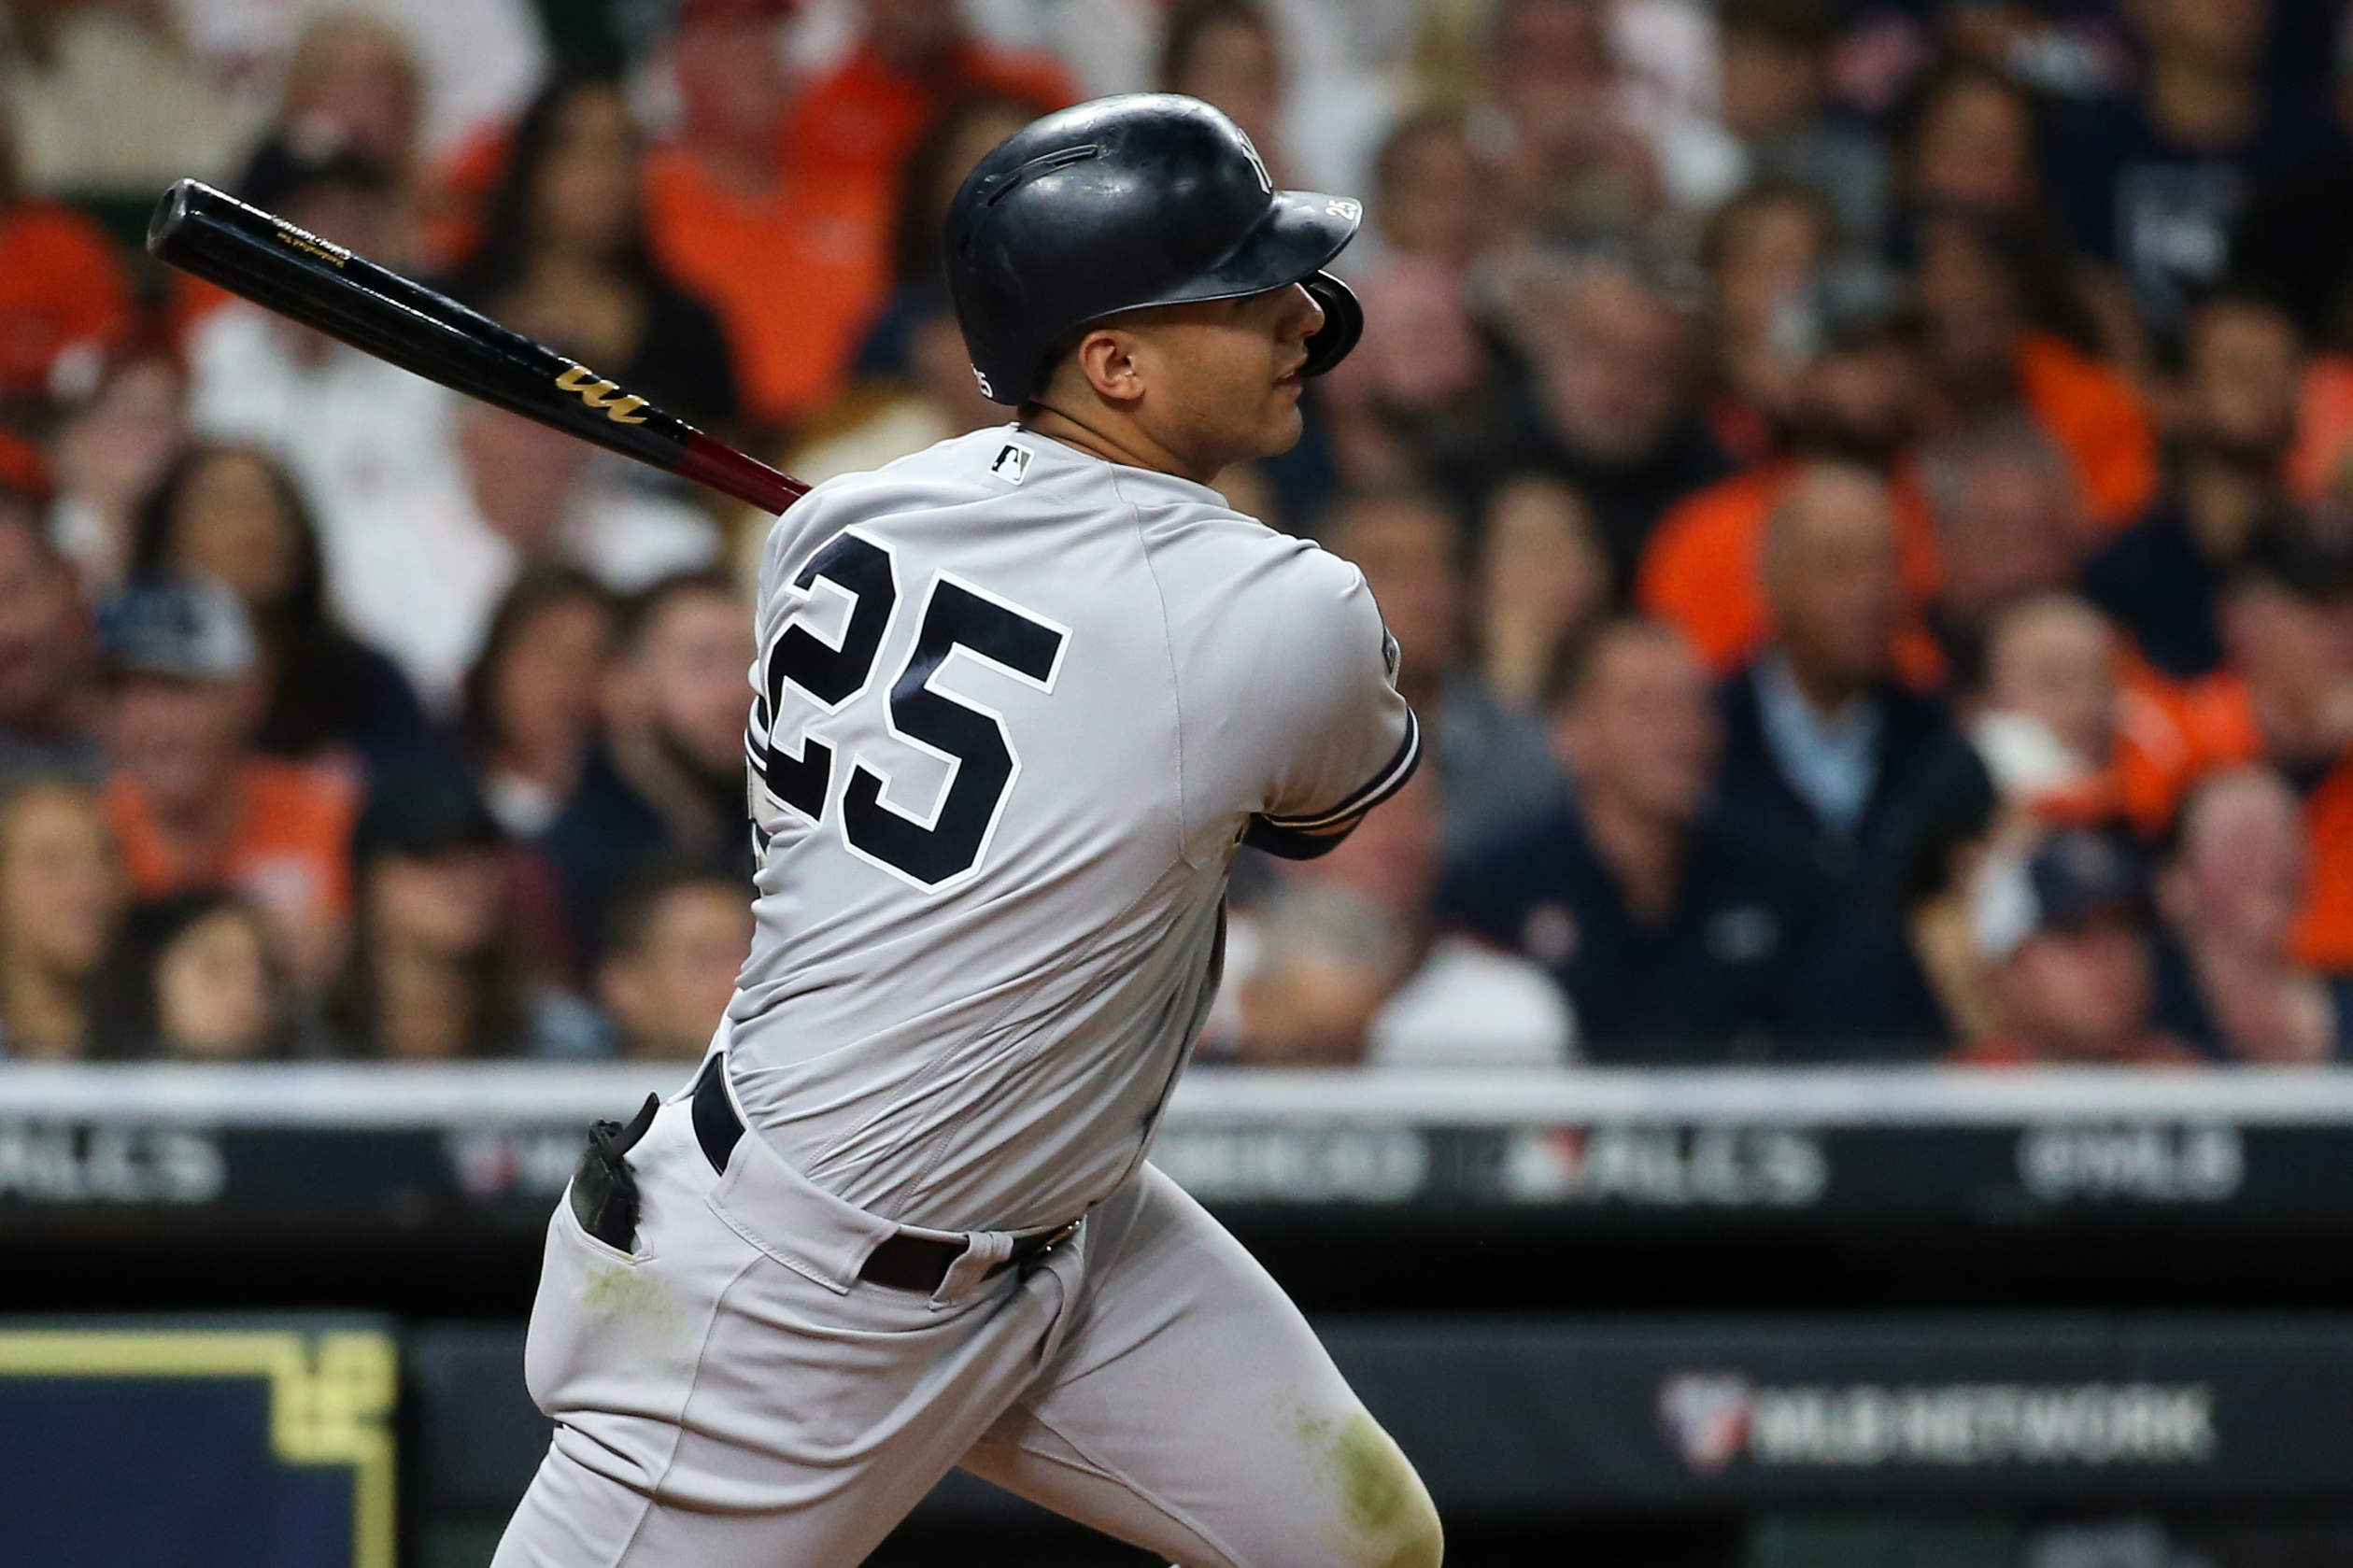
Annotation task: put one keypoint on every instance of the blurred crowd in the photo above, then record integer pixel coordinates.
(1863, 489)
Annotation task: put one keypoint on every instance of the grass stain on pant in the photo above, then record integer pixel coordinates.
(1390, 1522)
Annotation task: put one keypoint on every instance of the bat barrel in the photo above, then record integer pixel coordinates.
(326, 286)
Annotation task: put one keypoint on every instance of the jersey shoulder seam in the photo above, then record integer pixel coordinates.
(1167, 649)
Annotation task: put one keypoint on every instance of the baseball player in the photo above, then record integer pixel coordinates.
(1017, 700)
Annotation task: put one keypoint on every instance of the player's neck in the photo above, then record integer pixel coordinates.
(1113, 440)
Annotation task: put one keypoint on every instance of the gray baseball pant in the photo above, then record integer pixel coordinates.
(732, 1395)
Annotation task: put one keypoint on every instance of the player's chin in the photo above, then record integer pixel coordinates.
(1281, 429)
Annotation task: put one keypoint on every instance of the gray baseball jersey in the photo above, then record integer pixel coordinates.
(1016, 707)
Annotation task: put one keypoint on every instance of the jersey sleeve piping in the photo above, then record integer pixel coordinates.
(1381, 785)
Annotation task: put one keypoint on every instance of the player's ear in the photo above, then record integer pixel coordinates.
(1107, 358)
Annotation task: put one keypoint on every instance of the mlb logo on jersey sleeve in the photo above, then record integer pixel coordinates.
(1012, 462)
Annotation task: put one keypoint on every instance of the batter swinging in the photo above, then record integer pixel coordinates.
(1018, 699)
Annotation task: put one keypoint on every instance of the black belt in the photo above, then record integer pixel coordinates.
(903, 1263)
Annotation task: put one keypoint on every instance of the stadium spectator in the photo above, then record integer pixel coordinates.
(1605, 400)
(352, 81)
(1761, 252)
(1224, 52)
(1964, 141)
(2062, 930)
(49, 698)
(1774, 59)
(2006, 527)
(401, 74)
(60, 896)
(421, 566)
(1416, 375)
(1345, 966)
(1572, 164)
(2161, 578)
(913, 59)
(564, 258)
(2287, 632)
(232, 515)
(1861, 398)
(964, 134)
(675, 940)
(1543, 584)
(2006, 328)
(530, 713)
(2046, 719)
(1832, 769)
(2074, 731)
(192, 804)
(193, 976)
(1309, 972)
(110, 453)
(2227, 978)
(1966, 138)
(667, 776)
(64, 292)
(791, 252)
(2150, 183)
(2293, 241)
(355, 432)
(1667, 934)
(435, 972)
(106, 101)
(1490, 762)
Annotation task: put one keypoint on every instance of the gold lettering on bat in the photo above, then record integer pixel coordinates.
(302, 240)
(582, 381)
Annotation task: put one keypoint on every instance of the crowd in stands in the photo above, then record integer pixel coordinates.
(1862, 488)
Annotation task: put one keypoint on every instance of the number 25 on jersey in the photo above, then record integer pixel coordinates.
(932, 848)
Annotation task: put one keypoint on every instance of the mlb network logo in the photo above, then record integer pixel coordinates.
(1714, 1417)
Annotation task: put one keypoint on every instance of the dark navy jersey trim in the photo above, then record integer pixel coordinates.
(1382, 785)
(1289, 844)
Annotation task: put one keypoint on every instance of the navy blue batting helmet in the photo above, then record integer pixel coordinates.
(1145, 199)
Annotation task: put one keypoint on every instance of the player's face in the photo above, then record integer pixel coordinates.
(1221, 380)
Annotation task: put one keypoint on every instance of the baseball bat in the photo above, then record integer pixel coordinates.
(324, 286)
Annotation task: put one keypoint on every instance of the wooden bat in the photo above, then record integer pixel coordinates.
(298, 274)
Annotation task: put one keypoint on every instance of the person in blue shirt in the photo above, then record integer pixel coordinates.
(1835, 770)
(1667, 934)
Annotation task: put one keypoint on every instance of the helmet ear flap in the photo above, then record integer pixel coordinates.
(1343, 322)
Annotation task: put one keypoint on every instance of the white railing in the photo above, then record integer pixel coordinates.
(354, 1094)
